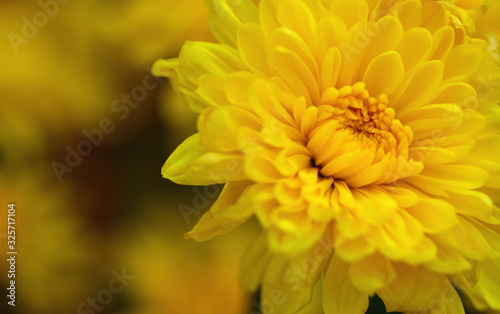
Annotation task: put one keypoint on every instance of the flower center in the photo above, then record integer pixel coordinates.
(356, 138)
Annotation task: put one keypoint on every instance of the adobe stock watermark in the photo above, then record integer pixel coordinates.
(93, 138)
(30, 27)
(105, 296)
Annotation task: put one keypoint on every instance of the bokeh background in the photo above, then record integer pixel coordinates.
(67, 68)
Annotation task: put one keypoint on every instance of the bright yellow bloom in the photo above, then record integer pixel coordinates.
(363, 135)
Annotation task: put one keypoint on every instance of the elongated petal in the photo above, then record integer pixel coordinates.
(226, 16)
(389, 63)
(175, 166)
(372, 273)
(339, 294)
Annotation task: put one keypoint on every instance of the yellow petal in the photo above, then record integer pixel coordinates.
(219, 127)
(170, 68)
(461, 126)
(234, 206)
(490, 112)
(459, 93)
(373, 174)
(435, 216)
(331, 32)
(406, 48)
(400, 237)
(164, 67)
(199, 58)
(266, 105)
(251, 45)
(383, 35)
(293, 231)
(374, 205)
(472, 203)
(268, 14)
(485, 155)
(205, 229)
(224, 18)
(439, 155)
(211, 90)
(487, 289)
(470, 4)
(236, 88)
(372, 273)
(384, 73)
(434, 16)
(409, 13)
(254, 262)
(175, 166)
(223, 216)
(443, 40)
(486, 82)
(417, 289)
(215, 168)
(352, 250)
(262, 168)
(404, 196)
(448, 262)
(316, 304)
(330, 69)
(455, 69)
(486, 235)
(339, 294)
(351, 12)
(436, 179)
(295, 72)
(425, 120)
(419, 86)
(287, 38)
(296, 15)
(295, 278)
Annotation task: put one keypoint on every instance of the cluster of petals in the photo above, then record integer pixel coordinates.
(364, 135)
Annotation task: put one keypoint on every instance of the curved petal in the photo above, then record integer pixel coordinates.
(225, 17)
(339, 294)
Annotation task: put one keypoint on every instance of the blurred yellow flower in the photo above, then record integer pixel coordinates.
(160, 259)
(64, 63)
(364, 135)
(142, 30)
(46, 79)
(54, 249)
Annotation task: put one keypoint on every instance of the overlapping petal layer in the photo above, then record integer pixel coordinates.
(358, 133)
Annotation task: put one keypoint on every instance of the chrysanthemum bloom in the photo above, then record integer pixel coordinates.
(361, 137)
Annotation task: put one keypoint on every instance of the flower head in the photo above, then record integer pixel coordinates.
(360, 135)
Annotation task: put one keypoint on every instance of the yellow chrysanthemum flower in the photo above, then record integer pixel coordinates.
(363, 135)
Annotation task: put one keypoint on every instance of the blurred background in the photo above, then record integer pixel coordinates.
(84, 132)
